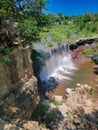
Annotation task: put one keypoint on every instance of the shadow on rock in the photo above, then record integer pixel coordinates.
(96, 70)
(78, 119)
(49, 84)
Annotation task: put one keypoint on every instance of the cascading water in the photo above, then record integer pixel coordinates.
(58, 65)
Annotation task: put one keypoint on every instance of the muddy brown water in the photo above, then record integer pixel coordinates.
(84, 75)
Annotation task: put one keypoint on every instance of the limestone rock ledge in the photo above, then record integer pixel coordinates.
(18, 89)
(30, 125)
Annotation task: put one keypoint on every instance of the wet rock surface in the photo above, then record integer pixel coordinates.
(95, 58)
(81, 111)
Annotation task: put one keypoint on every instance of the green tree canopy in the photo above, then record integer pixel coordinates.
(17, 9)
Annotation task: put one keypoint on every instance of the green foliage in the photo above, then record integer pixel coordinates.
(95, 58)
(5, 61)
(87, 17)
(58, 18)
(56, 103)
(40, 111)
(49, 117)
(29, 29)
(75, 27)
(14, 9)
(71, 28)
(4, 10)
(37, 59)
(97, 51)
(67, 113)
(43, 125)
(78, 21)
(42, 97)
(50, 19)
(87, 51)
(43, 113)
(68, 34)
(50, 44)
(91, 91)
(31, 21)
(5, 51)
(27, 13)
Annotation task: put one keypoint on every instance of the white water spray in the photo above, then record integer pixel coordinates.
(59, 65)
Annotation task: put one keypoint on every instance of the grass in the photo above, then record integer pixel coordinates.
(50, 44)
(56, 103)
(64, 33)
(87, 51)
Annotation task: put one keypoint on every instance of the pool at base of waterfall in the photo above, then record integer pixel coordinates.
(84, 75)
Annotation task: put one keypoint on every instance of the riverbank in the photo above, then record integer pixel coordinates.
(78, 111)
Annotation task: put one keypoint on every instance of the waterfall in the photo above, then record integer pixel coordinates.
(58, 64)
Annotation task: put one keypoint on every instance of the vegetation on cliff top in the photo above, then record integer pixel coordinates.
(23, 23)
(34, 25)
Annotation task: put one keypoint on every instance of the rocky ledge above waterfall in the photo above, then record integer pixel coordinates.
(84, 42)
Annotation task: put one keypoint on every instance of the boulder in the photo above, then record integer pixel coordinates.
(95, 58)
(31, 125)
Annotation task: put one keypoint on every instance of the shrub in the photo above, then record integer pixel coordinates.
(50, 116)
(68, 34)
(37, 59)
(29, 29)
(87, 51)
(91, 91)
(43, 125)
(95, 58)
(56, 103)
(5, 61)
(50, 44)
(40, 111)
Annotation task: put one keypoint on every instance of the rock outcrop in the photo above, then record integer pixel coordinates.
(83, 42)
(18, 88)
(10, 36)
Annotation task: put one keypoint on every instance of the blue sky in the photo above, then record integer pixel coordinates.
(72, 7)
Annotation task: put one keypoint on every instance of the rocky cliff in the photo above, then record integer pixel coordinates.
(18, 87)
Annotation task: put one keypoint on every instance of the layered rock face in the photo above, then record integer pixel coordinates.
(18, 87)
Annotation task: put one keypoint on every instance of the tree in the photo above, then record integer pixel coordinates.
(79, 21)
(29, 29)
(59, 18)
(50, 19)
(28, 14)
(14, 9)
(65, 19)
(4, 5)
(87, 17)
